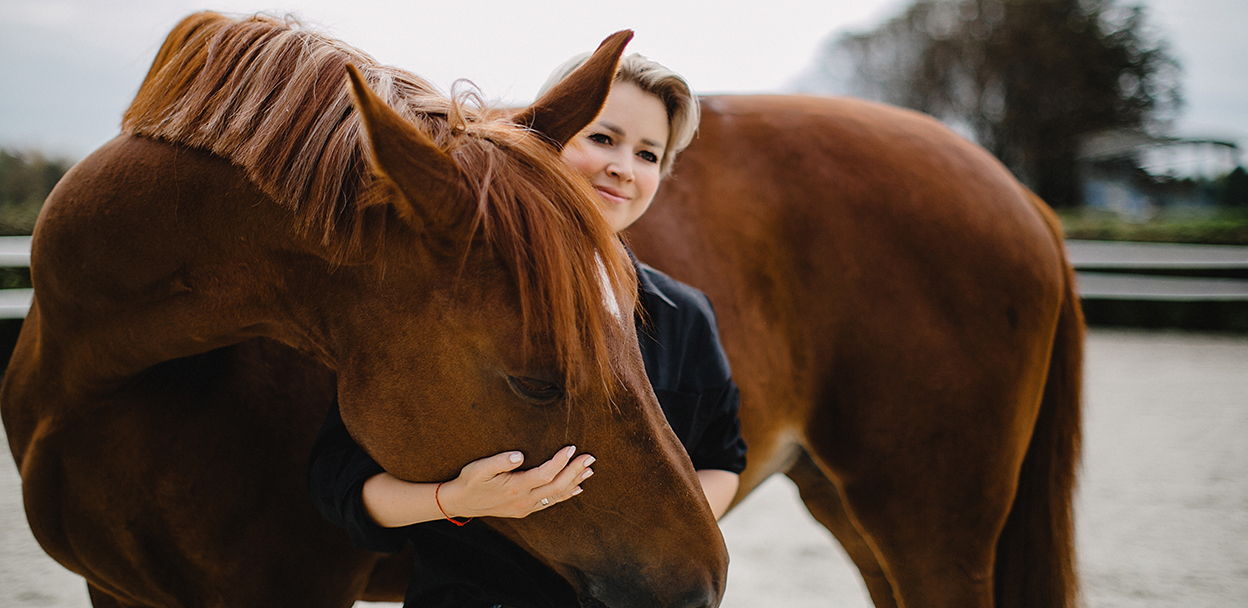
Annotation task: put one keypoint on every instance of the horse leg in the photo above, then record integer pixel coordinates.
(929, 498)
(823, 500)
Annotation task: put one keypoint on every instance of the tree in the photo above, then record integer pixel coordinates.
(1030, 80)
(1232, 189)
(26, 178)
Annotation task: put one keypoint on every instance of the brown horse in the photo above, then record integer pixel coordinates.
(904, 327)
(199, 276)
(898, 312)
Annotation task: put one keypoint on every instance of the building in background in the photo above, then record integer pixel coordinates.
(1136, 175)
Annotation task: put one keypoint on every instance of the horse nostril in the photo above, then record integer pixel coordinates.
(696, 599)
(628, 592)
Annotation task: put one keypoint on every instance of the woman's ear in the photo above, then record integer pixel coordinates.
(425, 176)
(573, 103)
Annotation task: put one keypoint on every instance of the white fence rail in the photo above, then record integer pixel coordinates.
(1103, 267)
(15, 253)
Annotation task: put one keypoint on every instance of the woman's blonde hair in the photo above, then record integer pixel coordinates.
(656, 79)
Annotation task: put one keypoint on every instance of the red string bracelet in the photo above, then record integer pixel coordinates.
(439, 503)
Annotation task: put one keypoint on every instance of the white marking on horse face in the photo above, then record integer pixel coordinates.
(608, 294)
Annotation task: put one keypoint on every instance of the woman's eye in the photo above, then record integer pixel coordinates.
(600, 138)
(535, 390)
(648, 156)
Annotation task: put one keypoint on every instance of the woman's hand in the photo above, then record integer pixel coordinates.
(490, 488)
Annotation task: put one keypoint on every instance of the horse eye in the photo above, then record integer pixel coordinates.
(541, 392)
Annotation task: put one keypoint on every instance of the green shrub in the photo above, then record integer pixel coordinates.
(1219, 226)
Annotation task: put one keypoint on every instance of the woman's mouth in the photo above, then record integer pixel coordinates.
(611, 195)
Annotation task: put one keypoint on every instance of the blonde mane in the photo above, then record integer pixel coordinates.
(274, 100)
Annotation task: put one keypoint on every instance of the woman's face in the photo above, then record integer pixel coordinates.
(620, 152)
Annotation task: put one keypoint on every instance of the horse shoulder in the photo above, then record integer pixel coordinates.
(143, 239)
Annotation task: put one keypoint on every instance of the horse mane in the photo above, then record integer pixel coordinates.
(273, 99)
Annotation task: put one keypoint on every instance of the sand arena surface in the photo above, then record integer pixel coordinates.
(1162, 512)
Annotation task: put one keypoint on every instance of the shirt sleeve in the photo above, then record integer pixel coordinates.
(337, 471)
(721, 445)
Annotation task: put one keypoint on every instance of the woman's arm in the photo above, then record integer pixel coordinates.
(391, 502)
(486, 487)
(339, 469)
(719, 486)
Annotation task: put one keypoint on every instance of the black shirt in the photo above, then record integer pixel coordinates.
(689, 371)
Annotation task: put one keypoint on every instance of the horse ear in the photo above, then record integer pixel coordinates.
(570, 105)
(405, 155)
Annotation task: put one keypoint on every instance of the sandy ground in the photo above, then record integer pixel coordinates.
(1163, 510)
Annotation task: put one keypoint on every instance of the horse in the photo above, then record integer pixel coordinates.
(264, 236)
(902, 320)
(900, 317)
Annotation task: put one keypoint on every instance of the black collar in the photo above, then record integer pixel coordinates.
(645, 278)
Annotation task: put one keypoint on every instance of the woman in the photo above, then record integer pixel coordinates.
(649, 116)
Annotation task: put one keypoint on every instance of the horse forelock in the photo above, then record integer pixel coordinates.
(273, 99)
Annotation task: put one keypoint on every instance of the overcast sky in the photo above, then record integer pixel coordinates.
(71, 66)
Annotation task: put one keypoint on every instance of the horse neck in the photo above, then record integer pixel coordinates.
(148, 252)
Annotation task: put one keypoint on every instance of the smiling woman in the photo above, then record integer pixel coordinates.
(621, 151)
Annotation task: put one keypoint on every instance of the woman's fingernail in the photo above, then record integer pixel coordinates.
(516, 457)
(578, 490)
(570, 450)
(587, 474)
(590, 460)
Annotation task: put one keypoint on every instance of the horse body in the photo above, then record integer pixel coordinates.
(890, 299)
(896, 308)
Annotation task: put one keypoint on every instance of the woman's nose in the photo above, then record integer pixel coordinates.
(620, 169)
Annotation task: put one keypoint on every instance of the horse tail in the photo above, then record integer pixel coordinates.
(1035, 564)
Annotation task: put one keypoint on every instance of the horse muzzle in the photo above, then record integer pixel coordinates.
(631, 590)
